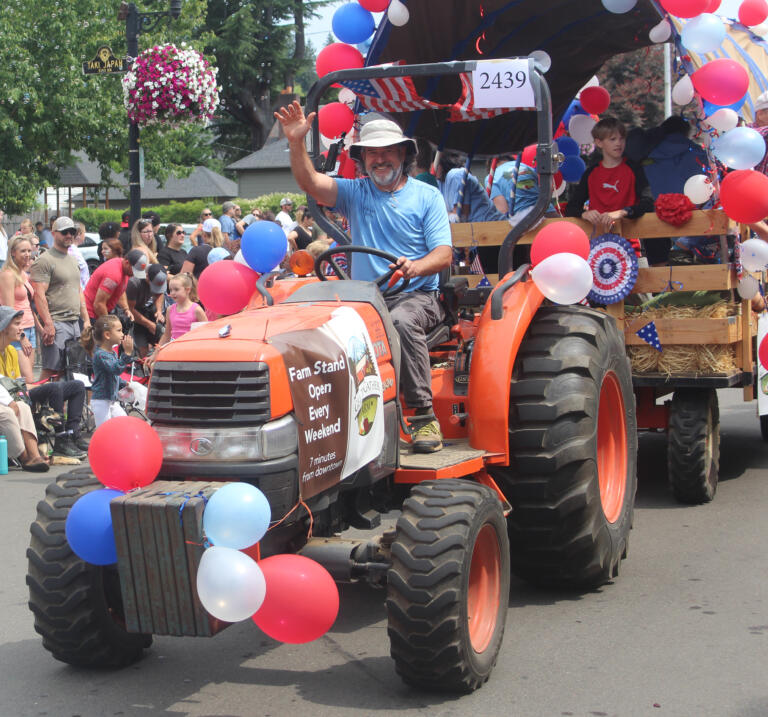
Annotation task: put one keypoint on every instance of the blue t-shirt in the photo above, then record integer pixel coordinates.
(409, 222)
(526, 188)
(481, 208)
(228, 226)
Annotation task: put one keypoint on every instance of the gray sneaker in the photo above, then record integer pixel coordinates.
(65, 446)
(427, 438)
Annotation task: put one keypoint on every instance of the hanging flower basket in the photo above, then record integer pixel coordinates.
(170, 85)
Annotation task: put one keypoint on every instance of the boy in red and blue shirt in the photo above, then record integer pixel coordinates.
(615, 188)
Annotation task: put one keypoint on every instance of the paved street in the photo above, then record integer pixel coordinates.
(683, 632)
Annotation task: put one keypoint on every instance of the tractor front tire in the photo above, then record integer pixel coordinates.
(572, 475)
(77, 606)
(693, 445)
(448, 587)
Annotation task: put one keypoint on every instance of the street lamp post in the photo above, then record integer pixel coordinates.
(137, 23)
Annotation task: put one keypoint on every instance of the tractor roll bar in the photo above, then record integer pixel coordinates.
(544, 150)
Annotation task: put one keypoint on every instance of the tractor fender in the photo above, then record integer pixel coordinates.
(493, 357)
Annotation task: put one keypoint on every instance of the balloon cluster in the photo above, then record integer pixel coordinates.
(559, 256)
(290, 597)
(89, 523)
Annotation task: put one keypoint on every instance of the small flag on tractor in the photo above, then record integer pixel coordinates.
(650, 335)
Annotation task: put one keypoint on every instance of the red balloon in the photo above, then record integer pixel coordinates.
(226, 286)
(529, 155)
(125, 453)
(337, 56)
(685, 8)
(712, 6)
(335, 119)
(762, 352)
(595, 100)
(721, 82)
(744, 195)
(752, 12)
(375, 5)
(302, 599)
(557, 238)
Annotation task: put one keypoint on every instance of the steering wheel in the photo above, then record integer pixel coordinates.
(393, 278)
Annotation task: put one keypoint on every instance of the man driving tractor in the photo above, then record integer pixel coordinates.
(389, 211)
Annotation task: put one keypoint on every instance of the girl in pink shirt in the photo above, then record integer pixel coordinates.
(185, 311)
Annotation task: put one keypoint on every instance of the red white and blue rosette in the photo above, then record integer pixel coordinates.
(614, 267)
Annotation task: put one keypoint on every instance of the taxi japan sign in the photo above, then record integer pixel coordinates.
(104, 63)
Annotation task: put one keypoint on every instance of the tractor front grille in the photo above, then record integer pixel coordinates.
(212, 393)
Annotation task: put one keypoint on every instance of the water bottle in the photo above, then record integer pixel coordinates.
(3, 456)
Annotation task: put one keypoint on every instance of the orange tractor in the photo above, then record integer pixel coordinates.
(298, 395)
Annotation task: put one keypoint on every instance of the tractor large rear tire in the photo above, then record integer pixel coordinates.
(77, 606)
(572, 476)
(693, 445)
(448, 587)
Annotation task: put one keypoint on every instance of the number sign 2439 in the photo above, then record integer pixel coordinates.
(502, 83)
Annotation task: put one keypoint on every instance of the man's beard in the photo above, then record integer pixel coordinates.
(392, 177)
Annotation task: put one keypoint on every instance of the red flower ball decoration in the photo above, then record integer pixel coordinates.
(170, 85)
(674, 209)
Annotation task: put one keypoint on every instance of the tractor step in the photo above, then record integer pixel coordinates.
(456, 460)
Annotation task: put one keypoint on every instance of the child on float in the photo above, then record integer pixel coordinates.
(615, 187)
(99, 341)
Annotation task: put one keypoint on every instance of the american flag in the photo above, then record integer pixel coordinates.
(389, 94)
(476, 267)
(464, 110)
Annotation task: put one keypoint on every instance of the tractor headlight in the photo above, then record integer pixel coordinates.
(262, 443)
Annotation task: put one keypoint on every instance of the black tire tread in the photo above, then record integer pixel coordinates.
(424, 600)
(557, 528)
(692, 478)
(66, 594)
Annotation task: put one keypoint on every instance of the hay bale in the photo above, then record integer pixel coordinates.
(644, 359)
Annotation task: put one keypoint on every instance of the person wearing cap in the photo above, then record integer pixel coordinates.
(390, 211)
(106, 288)
(197, 259)
(284, 215)
(146, 303)
(59, 299)
(227, 221)
(17, 423)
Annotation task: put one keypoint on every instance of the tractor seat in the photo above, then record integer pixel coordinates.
(451, 288)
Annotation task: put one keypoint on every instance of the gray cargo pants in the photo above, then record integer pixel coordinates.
(414, 314)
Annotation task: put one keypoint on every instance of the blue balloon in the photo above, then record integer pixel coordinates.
(572, 168)
(710, 109)
(568, 146)
(739, 148)
(217, 254)
(352, 23)
(263, 246)
(236, 516)
(89, 527)
(703, 33)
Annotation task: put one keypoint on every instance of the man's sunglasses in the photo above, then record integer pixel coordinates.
(206, 214)
(71, 231)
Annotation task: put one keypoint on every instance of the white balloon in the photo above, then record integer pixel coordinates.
(619, 7)
(580, 128)
(325, 141)
(563, 278)
(723, 120)
(754, 254)
(682, 92)
(541, 58)
(698, 188)
(230, 584)
(661, 32)
(397, 13)
(748, 287)
(347, 96)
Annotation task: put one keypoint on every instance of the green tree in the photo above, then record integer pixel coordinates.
(49, 109)
(260, 50)
(635, 81)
